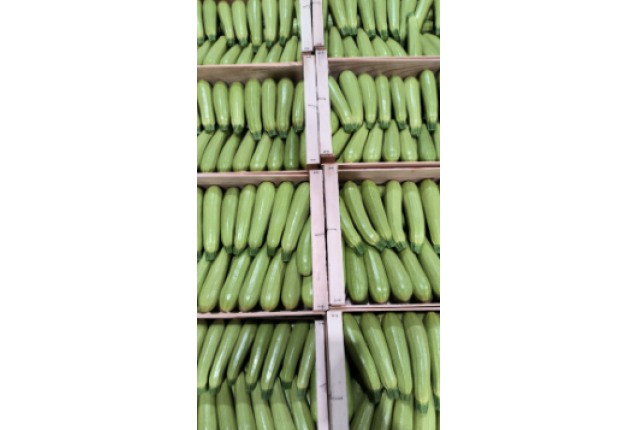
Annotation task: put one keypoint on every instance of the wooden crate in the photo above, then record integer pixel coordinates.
(337, 390)
(321, 363)
(319, 270)
(303, 71)
(333, 177)
(318, 30)
(305, 37)
(390, 66)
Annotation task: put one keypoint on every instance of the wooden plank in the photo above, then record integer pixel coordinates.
(389, 307)
(337, 391)
(380, 176)
(306, 26)
(318, 27)
(397, 165)
(321, 376)
(323, 96)
(244, 72)
(319, 269)
(333, 224)
(307, 314)
(311, 111)
(240, 179)
(390, 66)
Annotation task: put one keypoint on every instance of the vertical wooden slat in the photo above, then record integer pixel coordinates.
(336, 285)
(319, 270)
(311, 111)
(317, 24)
(306, 26)
(321, 377)
(323, 95)
(337, 390)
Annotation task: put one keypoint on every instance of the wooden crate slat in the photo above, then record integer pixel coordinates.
(318, 31)
(306, 26)
(337, 390)
(390, 66)
(311, 112)
(321, 376)
(244, 72)
(323, 95)
(319, 269)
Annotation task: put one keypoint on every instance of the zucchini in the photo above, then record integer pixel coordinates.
(211, 154)
(384, 101)
(210, 19)
(437, 26)
(285, 94)
(259, 160)
(350, 392)
(202, 142)
(431, 265)
(255, 23)
(420, 364)
(282, 201)
(225, 408)
(298, 213)
(260, 55)
(292, 354)
(291, 152)
(271, 289)
(369, 98)
(394, 205)
(372, 152)
(380, 48)
(241, 160)
(226, 157)
(206, 108)
(350, 50)
(357, 277)
(289, 51)
(270, 21)
(340, 18)
(364, 45)
(313, 397)
(246, 56)
(397, 345)
(239, 22)
(211, 221)
(426, 421)
(257, 355)
(245, 417)
(370, 326)
(382, 419)
(349, 85)
(229, 207)
(304, 249)
(208, 350)
(436, 137)
(340, 105)
(430, 98)
(231, 55)
(217, 373)
(407, 8)
(303, 151)
(403, 417)
(395, 49)
(211, 288)
(423, 8)
(206, 412)
(261, 217)
(220, 100)
(376, 211)
(426, 148)
(354, 203)
(399, 280)
(298, 108)
(285, 15)
(366, 9)
(237, 98)
(291, 290)
(307, 362)
(430, 194)
(391, 143)
(273, 359)
(354, 151)
(414, 215)
(203, 266)
(408, 146)
(244, 216)
(339, 141)
(397, 89)
(268, 105)
(262, 413)
(432, 326)
(201, 53)
(412, 92)
(275, 157)
(253, 282)
(414, 47)
(237, 272)
(378, 284)
(280, 410)
(334, 123)
(358, 351)
(225, 19)
(307, 293)
(350, 13)
(202, 328)
(216, 52)
(393, 17)
(200, 27)
(240, 352)
(363, 417)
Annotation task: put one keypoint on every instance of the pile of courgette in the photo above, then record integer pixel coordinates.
(256, 375)
(257, 127)
(385, 119)
(382, 28)
(254, 248)
(391, 241)
(393, 380)
(252, 31)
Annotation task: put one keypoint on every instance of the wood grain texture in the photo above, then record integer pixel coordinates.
(318, 33)
(306, 26)
(390, 66)
(319, 268)
(241, 179)
(337, 390)
(323, 96)
(321, 376)
(397, 165)
(261, 314)
(311, 112)
(244, 72)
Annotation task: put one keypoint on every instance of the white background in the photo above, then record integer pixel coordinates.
(96, 203)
